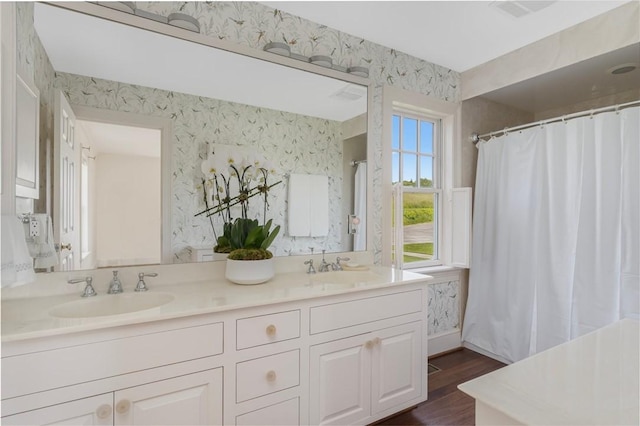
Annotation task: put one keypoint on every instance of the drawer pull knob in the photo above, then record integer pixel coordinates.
(123, 406)
(271, 330)
(271, 376)
(104, 411)
(376, 341)
(369, 344)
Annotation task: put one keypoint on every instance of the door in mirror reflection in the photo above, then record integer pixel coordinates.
(66, 187)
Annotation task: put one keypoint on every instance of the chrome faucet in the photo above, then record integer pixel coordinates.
(311, 269)
(337, 266)
(141, 286)
(324, 266)
(115, 286)
(88, 289)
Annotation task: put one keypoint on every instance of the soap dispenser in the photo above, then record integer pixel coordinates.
(115, 286)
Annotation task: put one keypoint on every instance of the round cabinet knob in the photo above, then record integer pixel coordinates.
(271, 376)
(104, 411)
(369, 344)
(123, 406)
(376, 341)
(271, 330)
(66, 246)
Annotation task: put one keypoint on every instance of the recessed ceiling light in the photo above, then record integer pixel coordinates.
(359, 71)
(185, 21)
(622, 69)
(278, 48)
(323, 61)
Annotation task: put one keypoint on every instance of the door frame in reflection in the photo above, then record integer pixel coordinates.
(165, 126)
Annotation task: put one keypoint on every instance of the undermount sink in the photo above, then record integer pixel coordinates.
(111, 304)
(345, 277)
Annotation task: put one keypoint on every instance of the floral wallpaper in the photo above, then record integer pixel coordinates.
(292, 143)
(443, 307)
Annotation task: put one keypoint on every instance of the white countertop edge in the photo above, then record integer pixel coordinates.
(151, 315)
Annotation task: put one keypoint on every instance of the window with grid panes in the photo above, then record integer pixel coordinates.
(416, 176)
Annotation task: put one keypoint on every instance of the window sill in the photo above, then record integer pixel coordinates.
(429, 270)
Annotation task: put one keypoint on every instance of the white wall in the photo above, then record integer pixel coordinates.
(127, 210)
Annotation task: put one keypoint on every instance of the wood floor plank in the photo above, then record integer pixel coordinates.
(446, 404)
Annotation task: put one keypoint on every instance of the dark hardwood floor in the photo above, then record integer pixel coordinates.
(446, 404)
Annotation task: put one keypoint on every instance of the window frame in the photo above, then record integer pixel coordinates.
(397, 99)
(436, 180)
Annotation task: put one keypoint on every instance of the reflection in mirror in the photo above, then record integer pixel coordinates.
(301, 122)
(122, 165)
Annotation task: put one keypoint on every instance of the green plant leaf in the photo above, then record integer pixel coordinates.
(255, 238)
(269, 239)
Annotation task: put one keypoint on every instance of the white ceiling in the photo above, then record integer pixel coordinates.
(105, 138)
(582, 81)
(456, 34)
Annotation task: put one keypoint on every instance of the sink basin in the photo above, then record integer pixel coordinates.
(111, 304)
(345, 277)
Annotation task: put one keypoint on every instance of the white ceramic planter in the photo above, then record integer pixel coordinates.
(249, 271)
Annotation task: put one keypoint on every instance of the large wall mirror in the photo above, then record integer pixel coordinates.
(150, 108)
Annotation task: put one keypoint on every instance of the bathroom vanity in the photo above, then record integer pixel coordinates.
(333, 348)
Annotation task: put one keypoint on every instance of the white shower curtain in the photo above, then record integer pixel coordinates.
(360, 207)
(556, 233)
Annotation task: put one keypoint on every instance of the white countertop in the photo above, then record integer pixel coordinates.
(27, 318)
(592, 380)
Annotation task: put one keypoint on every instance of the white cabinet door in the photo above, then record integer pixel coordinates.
(396, 375)
(194, 399)
(340, 381)
(355, 378)
(97, 410)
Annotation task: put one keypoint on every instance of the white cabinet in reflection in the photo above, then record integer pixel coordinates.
(27, 137)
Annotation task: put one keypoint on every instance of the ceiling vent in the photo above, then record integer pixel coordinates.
(518, 9)
(350, 92)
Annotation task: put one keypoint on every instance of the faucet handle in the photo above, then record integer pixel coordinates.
(142, 286)
(311, 269)
(88, 289)
(337, 266)
(115, 286)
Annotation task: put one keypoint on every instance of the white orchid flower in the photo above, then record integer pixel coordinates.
(208, 167)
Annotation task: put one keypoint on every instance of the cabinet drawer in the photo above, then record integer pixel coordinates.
(39, 371)
(264, 329)
(283, 414)
(266, 375)
(96, 410)
(346, 314)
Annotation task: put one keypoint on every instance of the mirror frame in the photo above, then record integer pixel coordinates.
(172, 31)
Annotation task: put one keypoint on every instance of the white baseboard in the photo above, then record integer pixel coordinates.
(444, 342)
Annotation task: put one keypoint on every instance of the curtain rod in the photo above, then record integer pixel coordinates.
(475, 138)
